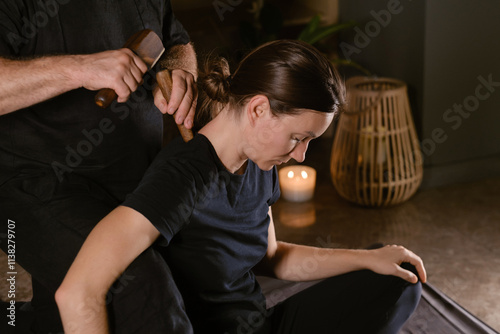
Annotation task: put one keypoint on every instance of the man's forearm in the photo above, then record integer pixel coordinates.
(181, 57)
(27, 82)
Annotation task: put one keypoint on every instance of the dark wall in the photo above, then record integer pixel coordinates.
(448, 52)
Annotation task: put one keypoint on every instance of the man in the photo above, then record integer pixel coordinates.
(65, 163)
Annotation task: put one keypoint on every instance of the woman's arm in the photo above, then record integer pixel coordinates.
(111, 246)
(302, 263)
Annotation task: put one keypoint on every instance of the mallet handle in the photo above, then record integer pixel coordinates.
(164, 81)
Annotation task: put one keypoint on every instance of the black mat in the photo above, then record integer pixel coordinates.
(438, 314)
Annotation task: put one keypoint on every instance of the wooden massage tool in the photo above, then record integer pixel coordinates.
(148, 46)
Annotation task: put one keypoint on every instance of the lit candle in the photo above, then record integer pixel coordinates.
(297, 183)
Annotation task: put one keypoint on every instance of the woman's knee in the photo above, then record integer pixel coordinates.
(412, 294)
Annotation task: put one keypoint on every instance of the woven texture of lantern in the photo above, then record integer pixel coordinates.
(376, 158)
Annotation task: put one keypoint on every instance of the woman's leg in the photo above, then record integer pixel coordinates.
(358, 302)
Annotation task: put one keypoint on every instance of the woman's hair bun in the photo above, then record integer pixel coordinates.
(215, 81)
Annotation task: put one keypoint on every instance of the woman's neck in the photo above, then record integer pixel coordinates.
(226, 135)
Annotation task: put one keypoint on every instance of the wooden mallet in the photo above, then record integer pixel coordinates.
(148, 46)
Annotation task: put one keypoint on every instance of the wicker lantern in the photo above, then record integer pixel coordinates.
(376, 159)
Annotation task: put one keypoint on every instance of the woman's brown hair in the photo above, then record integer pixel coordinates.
(292, 74)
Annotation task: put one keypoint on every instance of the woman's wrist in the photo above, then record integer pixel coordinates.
(361, 259)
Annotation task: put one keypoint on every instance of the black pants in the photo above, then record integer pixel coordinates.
(52, 220)
(359, 302)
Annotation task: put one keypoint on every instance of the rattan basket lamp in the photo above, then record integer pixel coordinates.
(376, 158)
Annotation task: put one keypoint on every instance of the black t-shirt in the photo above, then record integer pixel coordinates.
(69, 133)
(215, 224)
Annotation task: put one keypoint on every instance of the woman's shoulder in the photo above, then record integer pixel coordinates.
(198, 153)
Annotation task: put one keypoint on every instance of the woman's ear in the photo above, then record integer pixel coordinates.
(257, 108)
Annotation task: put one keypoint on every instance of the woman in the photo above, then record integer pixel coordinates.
(207, 204)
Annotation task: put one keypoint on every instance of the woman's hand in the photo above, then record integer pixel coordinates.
(388, 260)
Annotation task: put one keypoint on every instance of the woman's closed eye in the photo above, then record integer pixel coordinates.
(298, 140)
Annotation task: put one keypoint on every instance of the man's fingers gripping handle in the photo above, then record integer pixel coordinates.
(164, 81)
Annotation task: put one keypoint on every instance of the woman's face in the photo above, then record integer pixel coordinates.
(278, 138)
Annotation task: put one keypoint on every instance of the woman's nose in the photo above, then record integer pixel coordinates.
(299, 152)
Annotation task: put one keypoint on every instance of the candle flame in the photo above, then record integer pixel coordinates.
(290, 174)
(304, 174)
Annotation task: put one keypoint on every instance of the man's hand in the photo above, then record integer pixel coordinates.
(183, 98)
(31, 81)
(121, 70)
